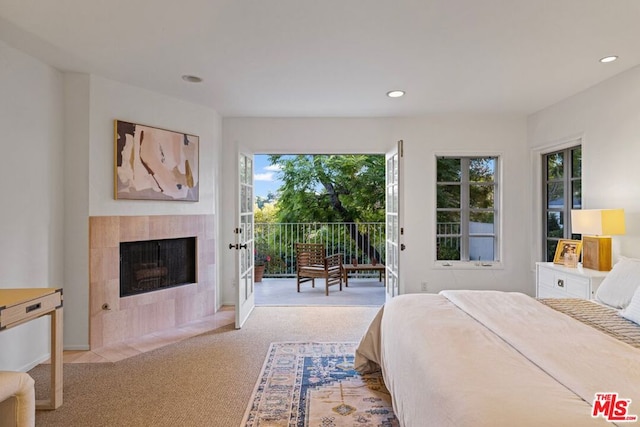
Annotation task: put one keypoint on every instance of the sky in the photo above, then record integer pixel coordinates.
(264, 176)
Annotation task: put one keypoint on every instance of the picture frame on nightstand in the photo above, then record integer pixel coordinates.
(567, 247)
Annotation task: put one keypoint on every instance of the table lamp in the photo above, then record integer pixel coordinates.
(596, 227)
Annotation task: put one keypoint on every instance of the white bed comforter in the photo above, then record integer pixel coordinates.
(489, 358)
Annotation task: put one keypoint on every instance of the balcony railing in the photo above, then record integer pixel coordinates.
(274, 243)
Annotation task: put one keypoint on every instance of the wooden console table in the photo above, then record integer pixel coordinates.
(18, 306)
(347, 268)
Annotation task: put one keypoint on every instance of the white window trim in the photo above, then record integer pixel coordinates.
(472, 264)
(536, 153)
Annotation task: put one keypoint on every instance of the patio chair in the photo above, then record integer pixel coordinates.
(313, 263)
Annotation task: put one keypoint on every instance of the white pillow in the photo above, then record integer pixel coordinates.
(632, 312)
(620, 283)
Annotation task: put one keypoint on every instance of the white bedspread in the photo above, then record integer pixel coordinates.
(488, 358)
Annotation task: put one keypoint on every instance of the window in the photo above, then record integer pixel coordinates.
(467, 209)
(562, 175)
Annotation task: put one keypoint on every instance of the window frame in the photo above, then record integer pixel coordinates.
(466, 210)
(568, 182)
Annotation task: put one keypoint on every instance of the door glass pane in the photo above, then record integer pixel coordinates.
(242, 236)
(243, 170)
(242, 239)
(555, 195)
(394, 208)
(249, 198)
(555, 225)
(576, 203)
(248, 235)
(448, 196)
(389, 253)
(481, 249)
(482, 169)
(481, 196)
(555, 166)
(448, 170)
(396, 169)
(249, 173)
(481, 223)
(551, 249)
(576, 162)
(392, 228)
(243, 198)
(391, 199)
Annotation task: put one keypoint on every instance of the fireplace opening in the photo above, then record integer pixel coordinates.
(150, 265)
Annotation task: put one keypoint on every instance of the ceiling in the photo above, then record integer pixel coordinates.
(337, 58)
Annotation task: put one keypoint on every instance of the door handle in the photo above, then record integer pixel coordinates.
(237, 246)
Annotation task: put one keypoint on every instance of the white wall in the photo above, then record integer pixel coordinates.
(423, 138)
(31, 184)
(607, 117)
(95, 103)
(76, 195)
(57, 170)
(111, 100)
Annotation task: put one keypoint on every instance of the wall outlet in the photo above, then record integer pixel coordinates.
(423, 287)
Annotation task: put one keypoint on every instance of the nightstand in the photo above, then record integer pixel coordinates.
(558, 281)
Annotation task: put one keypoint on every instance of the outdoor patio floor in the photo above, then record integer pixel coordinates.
(369, 292)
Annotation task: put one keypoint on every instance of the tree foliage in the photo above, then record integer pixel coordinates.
(331, 188)
(267, 213)
(334, 189)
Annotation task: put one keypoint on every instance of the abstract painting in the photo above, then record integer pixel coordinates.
(155, 164)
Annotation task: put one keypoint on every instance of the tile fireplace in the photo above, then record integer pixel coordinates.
(151, 307)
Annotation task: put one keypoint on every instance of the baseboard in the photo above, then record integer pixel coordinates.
(77, 347)
(29, 366)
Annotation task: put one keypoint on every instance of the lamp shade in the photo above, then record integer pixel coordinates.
(597, 222)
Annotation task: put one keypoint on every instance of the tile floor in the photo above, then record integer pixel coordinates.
(114, 353)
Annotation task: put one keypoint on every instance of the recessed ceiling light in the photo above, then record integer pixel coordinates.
(608, 59)
(191, 79)
(395, 93)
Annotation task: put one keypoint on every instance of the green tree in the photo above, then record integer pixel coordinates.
(333, 188)
(267, 213)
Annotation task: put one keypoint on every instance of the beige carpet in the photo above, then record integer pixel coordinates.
(206, 380)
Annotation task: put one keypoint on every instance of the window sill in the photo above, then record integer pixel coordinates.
(468, 265)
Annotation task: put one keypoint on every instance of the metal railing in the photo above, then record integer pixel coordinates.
(447, 240)
(274, 243)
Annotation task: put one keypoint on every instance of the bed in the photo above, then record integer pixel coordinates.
(491, 358)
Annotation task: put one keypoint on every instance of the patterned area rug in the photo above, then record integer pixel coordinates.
(314, 384)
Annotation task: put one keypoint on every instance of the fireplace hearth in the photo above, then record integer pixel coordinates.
(150, 265)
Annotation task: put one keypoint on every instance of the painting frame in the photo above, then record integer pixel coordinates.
(563, 246)
(152, 163)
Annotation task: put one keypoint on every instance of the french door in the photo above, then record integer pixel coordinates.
(244, 242)
(394, 227)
